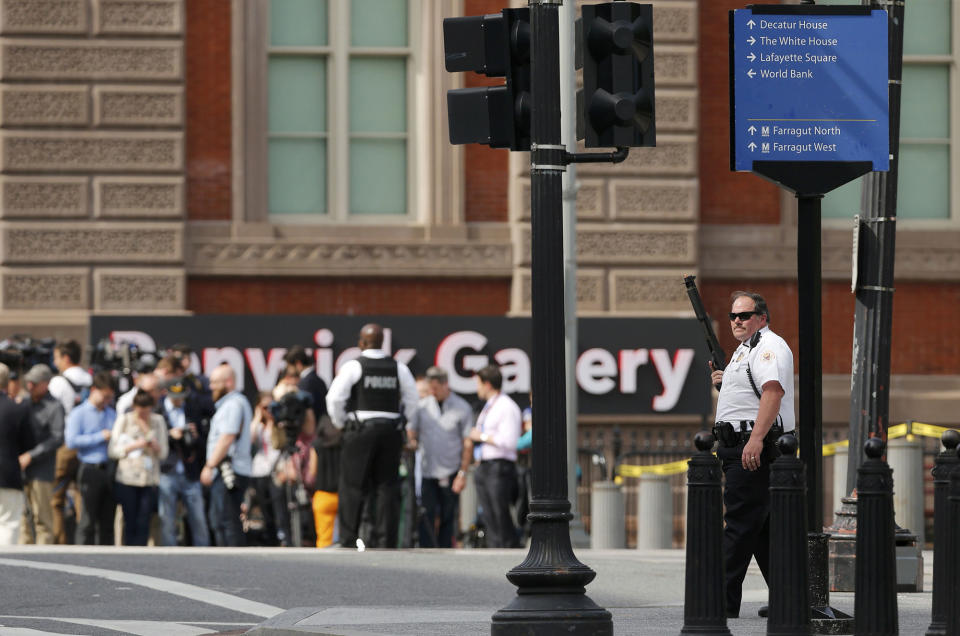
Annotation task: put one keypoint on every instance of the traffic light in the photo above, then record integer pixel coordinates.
(618, 75)
(496, 45)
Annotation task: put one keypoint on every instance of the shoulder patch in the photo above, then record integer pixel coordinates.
(768, 356)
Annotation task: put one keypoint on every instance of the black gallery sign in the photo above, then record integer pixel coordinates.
(625, 366)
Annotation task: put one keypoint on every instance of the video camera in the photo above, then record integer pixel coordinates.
(125, 358)
(20, 352)
(289, 413)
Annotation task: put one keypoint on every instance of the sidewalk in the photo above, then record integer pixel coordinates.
(643, 590)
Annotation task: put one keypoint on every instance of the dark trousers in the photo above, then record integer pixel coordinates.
(138, 504)
(99, 507)
(441, 501)
(265, 499)
(496, 489)
(369, 462)
(224, 511)
(746, 532)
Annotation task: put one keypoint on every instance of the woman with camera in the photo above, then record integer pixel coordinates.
(138, 443)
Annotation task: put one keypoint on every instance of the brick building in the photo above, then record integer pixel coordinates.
(168, 157)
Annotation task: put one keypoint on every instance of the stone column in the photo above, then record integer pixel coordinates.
(92, 172)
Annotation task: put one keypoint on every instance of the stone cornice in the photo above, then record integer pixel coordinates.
(770, 251)
(263, 256)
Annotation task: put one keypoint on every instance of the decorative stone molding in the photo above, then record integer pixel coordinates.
(79, 60)
(620, 244)
(654, 200)
(590, 199)
(591, 290)
(91, 242)
(920, 254)
(44, 288)
(29, 105)
(139, 289)
(43, 16)
(138, 197)
(149, 17)
(676, 110)
(675, 155)
(675, 65)
(674, 21)
(138, 105)
(41, 197)
(647, 290)
(44, 151)
(288, 257)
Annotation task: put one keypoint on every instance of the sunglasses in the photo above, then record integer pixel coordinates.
(744, 316)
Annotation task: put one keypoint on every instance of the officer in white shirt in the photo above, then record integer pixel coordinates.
(755, 407)
(370, 399)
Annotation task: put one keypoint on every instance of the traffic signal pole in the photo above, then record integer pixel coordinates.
(551, 596)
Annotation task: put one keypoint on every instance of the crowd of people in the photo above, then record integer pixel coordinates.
(378, 460)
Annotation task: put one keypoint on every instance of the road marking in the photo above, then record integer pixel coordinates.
(140, 628)
(193, 592)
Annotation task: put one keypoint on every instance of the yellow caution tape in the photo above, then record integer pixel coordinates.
(928, 430)
(907, 429)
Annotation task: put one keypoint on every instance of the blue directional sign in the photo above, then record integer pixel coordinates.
(809, 87)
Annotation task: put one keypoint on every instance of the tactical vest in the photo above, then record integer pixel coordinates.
(378, 388)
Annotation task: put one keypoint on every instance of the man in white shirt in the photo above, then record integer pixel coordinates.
(754, 408)
(370, 399)
(495, 437)
(69, 388)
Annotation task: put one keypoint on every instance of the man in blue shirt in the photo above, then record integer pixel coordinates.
(228, 466)
(88, 432)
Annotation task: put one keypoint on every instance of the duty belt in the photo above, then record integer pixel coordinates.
(728, 436)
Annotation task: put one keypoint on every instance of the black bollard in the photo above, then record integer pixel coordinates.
(789, 593)
(875, 607)
(953, 570)
(944, 554)
(704, 611)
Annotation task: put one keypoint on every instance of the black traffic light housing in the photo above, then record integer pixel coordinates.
(618, 75)
(496, 45)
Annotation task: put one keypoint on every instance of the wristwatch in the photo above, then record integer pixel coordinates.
(484, 437)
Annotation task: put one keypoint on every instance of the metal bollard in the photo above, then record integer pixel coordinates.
(905, 457)
(608, 520)
(704, 611)
(875, 607)
(953, 571)
(789, 593)
(840, 461)
(944, 554)
(654, 513)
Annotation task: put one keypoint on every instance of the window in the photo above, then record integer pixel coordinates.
(338, 110)
(927, 142)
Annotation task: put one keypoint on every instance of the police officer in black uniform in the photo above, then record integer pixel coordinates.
(371, 399)
(755, 407)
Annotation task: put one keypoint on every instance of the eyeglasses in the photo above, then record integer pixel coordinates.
(744, 316)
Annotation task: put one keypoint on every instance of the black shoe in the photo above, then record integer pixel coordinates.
(733, 613)
(763, 611)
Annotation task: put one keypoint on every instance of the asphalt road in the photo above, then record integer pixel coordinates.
(188, 592)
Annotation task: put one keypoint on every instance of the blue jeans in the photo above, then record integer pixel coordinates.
(174, 486)
(437, 499)
(225, 511)
(138, 503)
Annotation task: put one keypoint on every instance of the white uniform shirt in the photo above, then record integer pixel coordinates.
(770, 360)
(350, 373)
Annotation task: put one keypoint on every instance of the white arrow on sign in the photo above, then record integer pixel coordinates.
(750, 73)
(751, 24)
(751, 40)
(752, 146)
(751, 57)
(752, 130)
